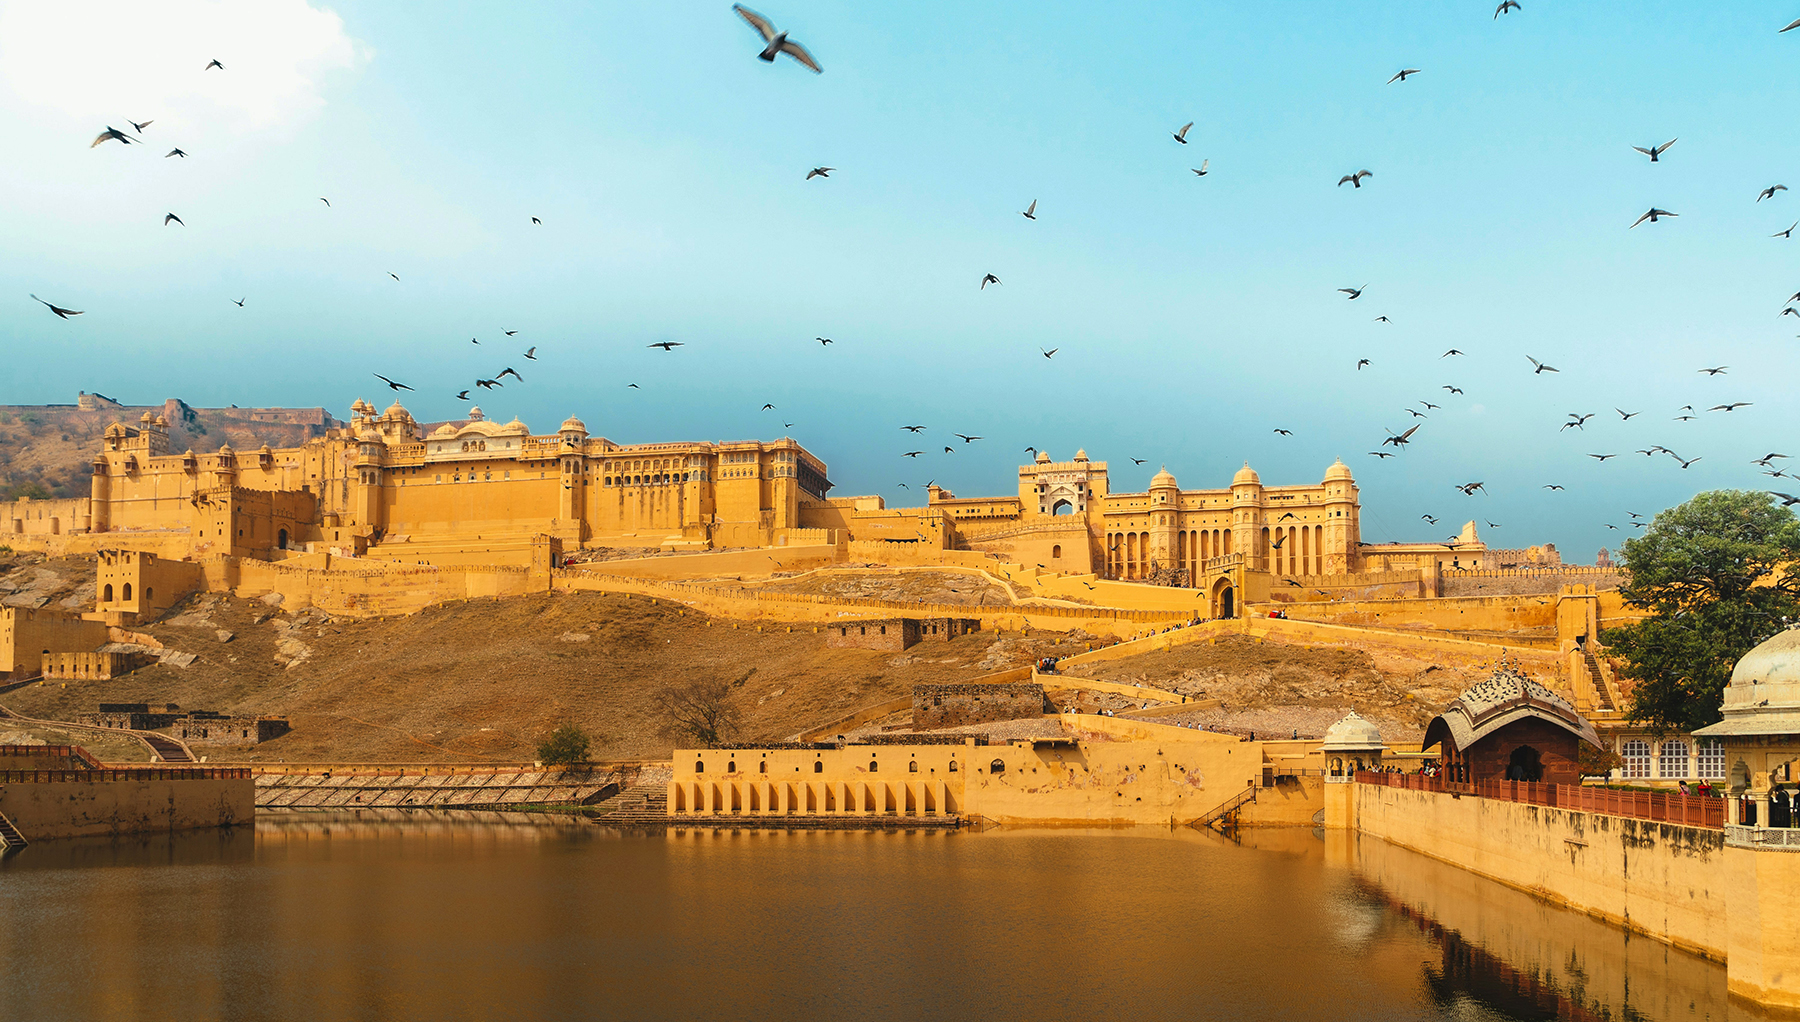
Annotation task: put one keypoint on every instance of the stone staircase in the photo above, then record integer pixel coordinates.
(642, 805)
(1600, 692)
(10, 838)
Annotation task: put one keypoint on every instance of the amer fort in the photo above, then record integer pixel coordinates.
(1033, 633)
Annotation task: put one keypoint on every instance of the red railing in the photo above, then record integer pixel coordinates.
(146, 774)
(1686, 810)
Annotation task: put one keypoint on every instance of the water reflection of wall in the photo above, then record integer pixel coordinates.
(1525, 957)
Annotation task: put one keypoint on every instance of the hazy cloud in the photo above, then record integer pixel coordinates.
(104, 60)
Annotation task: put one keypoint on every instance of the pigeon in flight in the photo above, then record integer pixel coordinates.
(1051, 353)
(1769, 192)
(212, 64)
(1506, 7)
(1383, 319)
(1653, 216)
(1655, 151)
(1200, 171)
(531, 353)
(1734, 406)
(1181, 136)
(462, 395)
(1354, 292)
(139, 128)
(1452, 351)
(1539, 367)
(509, 371)
(1714, 371)
(988, 279)
(1356, 178)
(326, 201)
(391, 384)
(967, 439)
(1603, 457)
(1400, 439)
(665, 345)
(768, 408)
(61, 313)
(1789, 233)
(1427, 519)
(912, 454)
(1403, 75)
(1792, 25)
(1469, 489)
(1551, 486)
(778, 42)
(824, 341)
(1453, 390)
(824, 172)
(912, 429)
(488, 384)
(1625, 416)
(1379, 454)
(1030, 211)
(1787, 500)
(1137, 461)
(1284, 432)
(111, 134)
(394, 275)
(172, 152)
(510, 333)
(167, 217)
(535, 220)
(1362, 362)
(239, 302)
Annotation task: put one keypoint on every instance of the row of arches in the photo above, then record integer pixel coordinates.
(1301, 550)
(1130, 554)
(858, 798)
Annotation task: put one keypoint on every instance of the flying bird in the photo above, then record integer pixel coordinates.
(239, 302)
(1787, 500)
(1415, 413)
(1734, 406)
(326, 201)
(167, 217)
(1284, 432)
(1506, 7)
(1428, 404)
(1383, 319)
(1453, 390)
(1792, 25)
(824, 341)
(61, 313)
(1492, 525)
(111, 134)
(172, 152)
(1714, 371)
(1625, 416)
(949, 450)
(391, 384)
(633, 386)
(1354, 292)
(1181, 136)
(1200, 171)
(1379, 454)
(1789, 233)
(510, 371)
(768, 408)
(988, 279)
(462, 395)
(912, 454)
(966, 438)
(824, 172)
(1469, 489)
(1579, 421)
(1399, 439)
(1653, 216)
(488, 384)
(665, 345)
(1551, 486)
(1137, 461)
(912, 429)
(1540, 367)
(1356, 178)
(531, 353)
(1403, 75)
(1452, 351)
(1769, 192)
(1049, 354)
(1603, 457)
(535, 220)
(1030, 211)
(1428, 519)
(1690, 461)
(778, 42)
(1655, 151)
(212, 64)
(394, 275)
(1362, 362)
(1683, 418)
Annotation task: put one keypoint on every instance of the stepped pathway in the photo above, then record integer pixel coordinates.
(170, 750)
(641, 805)
(10, 838)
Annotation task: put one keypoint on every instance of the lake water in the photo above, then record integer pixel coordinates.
(414, 916)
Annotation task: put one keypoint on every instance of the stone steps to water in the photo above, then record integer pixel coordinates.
(10, 838)
(647, 805)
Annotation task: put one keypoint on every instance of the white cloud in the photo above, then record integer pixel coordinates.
(105, 60)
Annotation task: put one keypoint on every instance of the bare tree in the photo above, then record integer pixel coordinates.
(701, 711)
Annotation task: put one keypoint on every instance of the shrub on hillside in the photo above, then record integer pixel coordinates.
(567, 744)
(700, 712)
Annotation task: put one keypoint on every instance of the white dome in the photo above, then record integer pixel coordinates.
(1246, 476)
(1764, 695)
(1353, 734)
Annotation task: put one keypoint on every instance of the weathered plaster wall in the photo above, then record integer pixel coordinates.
(83, 808)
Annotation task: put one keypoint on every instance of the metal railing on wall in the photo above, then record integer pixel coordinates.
(1686, 810)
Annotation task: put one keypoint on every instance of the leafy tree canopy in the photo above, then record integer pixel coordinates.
(1712, 572)
(567, 744)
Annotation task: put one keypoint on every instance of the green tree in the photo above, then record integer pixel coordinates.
(1712, 574)
(566, 744)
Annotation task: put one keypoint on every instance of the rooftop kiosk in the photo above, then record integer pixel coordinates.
(1351, 744)
(1761, 734)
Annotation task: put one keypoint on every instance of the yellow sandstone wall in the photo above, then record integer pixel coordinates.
(47, 810)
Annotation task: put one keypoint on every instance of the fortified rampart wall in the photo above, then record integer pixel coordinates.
(107, 803)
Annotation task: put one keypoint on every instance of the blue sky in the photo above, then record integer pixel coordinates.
(1192, 316)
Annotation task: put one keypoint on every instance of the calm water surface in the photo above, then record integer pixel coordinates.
(414, 916)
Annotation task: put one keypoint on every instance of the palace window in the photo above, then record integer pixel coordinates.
(1673, 760)
(1636, 754)
(818, 767)
(699, 766)
(1711, 761)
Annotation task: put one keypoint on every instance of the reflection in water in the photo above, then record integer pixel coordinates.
(404, 915)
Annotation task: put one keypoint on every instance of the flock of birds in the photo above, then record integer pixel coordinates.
(778, 43)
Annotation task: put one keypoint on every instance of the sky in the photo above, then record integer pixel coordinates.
(1190, 317)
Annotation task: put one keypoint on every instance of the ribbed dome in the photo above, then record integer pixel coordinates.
(1081, 455)
(394, 410)
(1246, 476)
(1162, 478)
(1352, 734)
(1338, 472)
(1764, 695)
(572, 425)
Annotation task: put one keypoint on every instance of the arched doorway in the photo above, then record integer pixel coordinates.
(1525, 764)
(1224, 599)
(1062, 507)
(281, 539)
